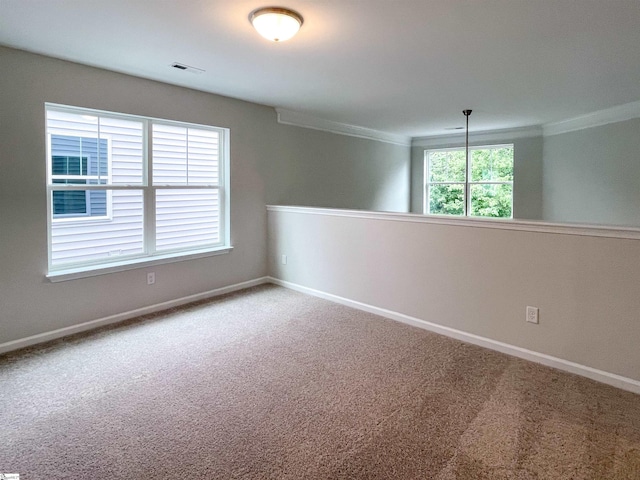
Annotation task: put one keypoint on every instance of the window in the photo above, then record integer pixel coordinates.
(485, 190)
(125, 190)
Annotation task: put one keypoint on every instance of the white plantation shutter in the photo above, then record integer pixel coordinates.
(186, 218)
(77, 242)
(118, 233)
(184, 188)
(186, 157)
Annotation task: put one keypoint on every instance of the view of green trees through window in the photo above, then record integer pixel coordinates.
(490, 184)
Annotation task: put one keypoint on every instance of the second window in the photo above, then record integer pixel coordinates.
(485, 190)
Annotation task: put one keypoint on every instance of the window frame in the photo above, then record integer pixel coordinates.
(149, 256)
(466, 184)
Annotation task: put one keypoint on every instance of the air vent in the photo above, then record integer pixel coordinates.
(187, 68)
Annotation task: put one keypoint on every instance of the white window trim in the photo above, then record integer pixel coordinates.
(149, 256)
(131, 264)
(466, 184)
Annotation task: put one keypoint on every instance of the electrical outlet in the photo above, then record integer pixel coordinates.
(151, 278)
(284, 259)
(532, 315)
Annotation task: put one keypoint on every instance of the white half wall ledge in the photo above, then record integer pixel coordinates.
(120, 317)
(630, 233)
(289, 117)
(608, 378)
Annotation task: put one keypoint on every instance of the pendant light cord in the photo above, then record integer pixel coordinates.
(467, 189)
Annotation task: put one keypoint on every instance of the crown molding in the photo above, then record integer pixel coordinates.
(616, 114)
(507, 134)
(288, 117)
(620, 113)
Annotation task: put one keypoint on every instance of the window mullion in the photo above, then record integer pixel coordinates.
(224, 180)
(187, 142)
(149, 190)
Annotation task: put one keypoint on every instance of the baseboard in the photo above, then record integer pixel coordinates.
(82, 327)
(612, 379)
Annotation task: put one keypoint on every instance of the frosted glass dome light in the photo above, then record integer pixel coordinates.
(275, 23)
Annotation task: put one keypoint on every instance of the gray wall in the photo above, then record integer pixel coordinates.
(327, 170)
(527, 172)
(270, 163)
(593, 175)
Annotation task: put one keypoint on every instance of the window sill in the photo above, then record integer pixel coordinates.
(95, 270)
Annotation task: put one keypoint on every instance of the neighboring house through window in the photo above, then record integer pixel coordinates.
(79, 161)
(485, 190)
(125, 189)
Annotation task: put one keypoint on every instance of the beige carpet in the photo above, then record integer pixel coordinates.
(269, 383)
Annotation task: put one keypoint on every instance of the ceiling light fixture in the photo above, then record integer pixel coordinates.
(275, 23)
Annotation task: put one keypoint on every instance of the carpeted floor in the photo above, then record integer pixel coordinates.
(272, 384)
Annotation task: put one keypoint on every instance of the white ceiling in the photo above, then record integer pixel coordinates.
(407, 67)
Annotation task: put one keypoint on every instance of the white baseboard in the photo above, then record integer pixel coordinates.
(66, 331)
(559, 363)
(613, 379)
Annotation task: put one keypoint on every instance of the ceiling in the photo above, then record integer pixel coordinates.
(406, 67)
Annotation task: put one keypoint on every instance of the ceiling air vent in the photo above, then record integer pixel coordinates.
(187, 68)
